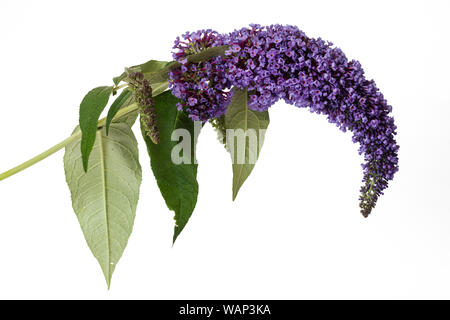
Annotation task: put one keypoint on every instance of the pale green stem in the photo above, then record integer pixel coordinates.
(120, 87)
(76, 135)
(160, 76)
(40, 157)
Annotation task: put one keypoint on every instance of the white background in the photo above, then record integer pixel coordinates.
(295, 230)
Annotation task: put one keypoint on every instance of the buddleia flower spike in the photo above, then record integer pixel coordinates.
(143, 96)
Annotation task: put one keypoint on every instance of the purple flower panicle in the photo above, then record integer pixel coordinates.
(143, 95)
(281, 62)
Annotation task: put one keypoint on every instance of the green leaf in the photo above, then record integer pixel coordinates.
(151, 66)
(117, 104)
(158, 88)
(116, 80)
(204, 55)
(177, 182)
(130, 118)
(105, 198)
(158, 71)
(90, 109)
(253, 125)
(147, 67)
(207, 54)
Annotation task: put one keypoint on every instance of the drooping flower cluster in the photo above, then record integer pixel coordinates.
(143, 95)
(281, 62)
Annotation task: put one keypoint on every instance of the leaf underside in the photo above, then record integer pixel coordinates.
(105, 197)
(177, 183)
(239, 116)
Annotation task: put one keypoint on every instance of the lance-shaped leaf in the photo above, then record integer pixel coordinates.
(158, 88)
(151, 66)
(204, 55)
(147, 67)
(124, 100)
(245, 131)
(177, 181)
(115, 107)
(90, 109)
(105, 197)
